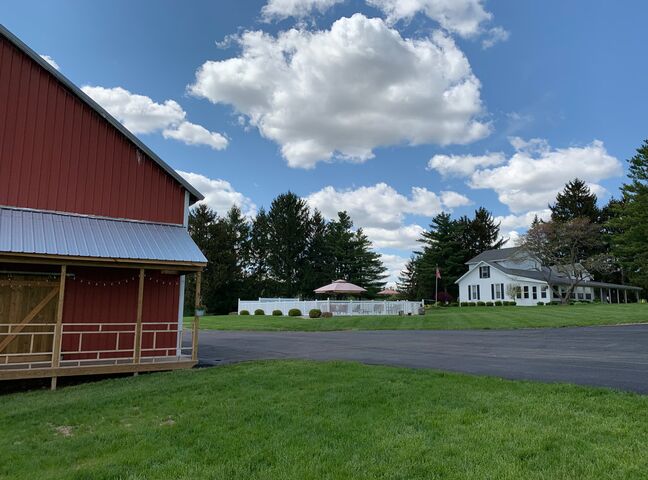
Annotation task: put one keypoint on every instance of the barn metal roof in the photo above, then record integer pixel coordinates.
(26, 231)
(100, 110)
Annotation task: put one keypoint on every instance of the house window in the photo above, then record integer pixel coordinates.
(535, 292)
(497, 291)
(473, 292)
(526, 291)
(588, 296)
(518, 292)
(543, 292)
(581, 296)
(484, 272)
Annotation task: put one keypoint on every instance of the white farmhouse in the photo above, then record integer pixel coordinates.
(512, 274)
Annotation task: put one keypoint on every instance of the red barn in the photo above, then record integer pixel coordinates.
(94, 246)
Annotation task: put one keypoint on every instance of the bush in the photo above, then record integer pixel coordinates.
(481, 304)
(512, 304)
(277, 313)
(463, 304)
(244, 312)
(490, 304)
(541, 304)
(258, 311)
(294, 312)
(315, 313)
(444, 297)
(327, 314)
(498, 303)
(454, 304)
(472, 304)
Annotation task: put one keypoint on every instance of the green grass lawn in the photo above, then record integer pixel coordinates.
(304, 420)
(454, 318)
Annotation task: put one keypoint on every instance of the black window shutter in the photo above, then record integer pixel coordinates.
(469, 294)
(478, 293)
(492, 290)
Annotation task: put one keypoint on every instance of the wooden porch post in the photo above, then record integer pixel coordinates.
(625, 296)
(196, 322)
(618, 300)
(137, 346)
(58, 328)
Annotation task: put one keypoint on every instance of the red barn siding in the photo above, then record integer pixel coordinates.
(90, 298)
(57, 153)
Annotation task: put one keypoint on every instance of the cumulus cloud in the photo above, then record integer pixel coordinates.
(141, 115)
(51, 61)
(531, 178)
(340, 93)
(463, 165)
(452, 199)
(380, 206)
(219, 194)
(401, 238)
(193, 134)
(280, 9)
(463, 17)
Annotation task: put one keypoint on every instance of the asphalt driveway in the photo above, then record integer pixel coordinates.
(614, 357)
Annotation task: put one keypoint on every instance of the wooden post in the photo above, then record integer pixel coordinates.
(137, 345)
(625, 296)
(58, 328)
(196, 322)
(618, 301)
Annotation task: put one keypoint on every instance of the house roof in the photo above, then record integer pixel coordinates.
(195, 194)
(45, 233)
(553, 278)
(494, 255)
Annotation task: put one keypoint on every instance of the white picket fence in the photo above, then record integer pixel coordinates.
(336, 307)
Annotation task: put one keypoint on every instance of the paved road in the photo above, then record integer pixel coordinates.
(605, 356)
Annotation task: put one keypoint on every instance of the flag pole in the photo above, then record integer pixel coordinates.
(436, 286)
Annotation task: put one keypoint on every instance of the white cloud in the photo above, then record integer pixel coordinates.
(533, 176)
(51, 61)
(495, 35)
(454, 200)
(463, 17)
(193, 134)
(219, 194)
(401, 238)
(463, 165)
(381, 206)
(395, 264)
(340, 93)
(280, 9)
(141, 115)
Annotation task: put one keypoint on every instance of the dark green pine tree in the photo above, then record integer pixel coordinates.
(408, 283)
(629, 222)
(238, 230)
(481, 233)
(201, 224)
(575, 201)
(319, 265)
(289, 229)
(443, 246)
(260, 282)
(367, 270)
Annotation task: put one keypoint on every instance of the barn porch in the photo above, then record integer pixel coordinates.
(83, 295)
(37, 341)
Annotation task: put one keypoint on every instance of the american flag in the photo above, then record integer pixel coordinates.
(438, 272)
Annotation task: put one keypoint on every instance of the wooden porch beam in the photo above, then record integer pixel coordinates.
(138, 326)
(30, 316)
(58, 329)
(196, 322)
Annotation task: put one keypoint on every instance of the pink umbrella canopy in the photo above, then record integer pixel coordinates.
(340, 286)
(388, 292)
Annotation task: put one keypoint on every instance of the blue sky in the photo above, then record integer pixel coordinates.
(355, 111)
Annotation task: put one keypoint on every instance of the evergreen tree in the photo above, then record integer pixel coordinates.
(260, 282)
(481, 233)
(289, 229)
(575, 201)
(318, 269)
(368, 270)
(629, 222)
(408, 283)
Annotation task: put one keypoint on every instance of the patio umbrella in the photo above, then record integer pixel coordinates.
(388, 292)
(340, 286)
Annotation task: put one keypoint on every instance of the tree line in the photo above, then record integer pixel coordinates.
(287, 251)
(610, 242)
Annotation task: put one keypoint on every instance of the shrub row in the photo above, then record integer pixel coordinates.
(498, 303)
(293, 312)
